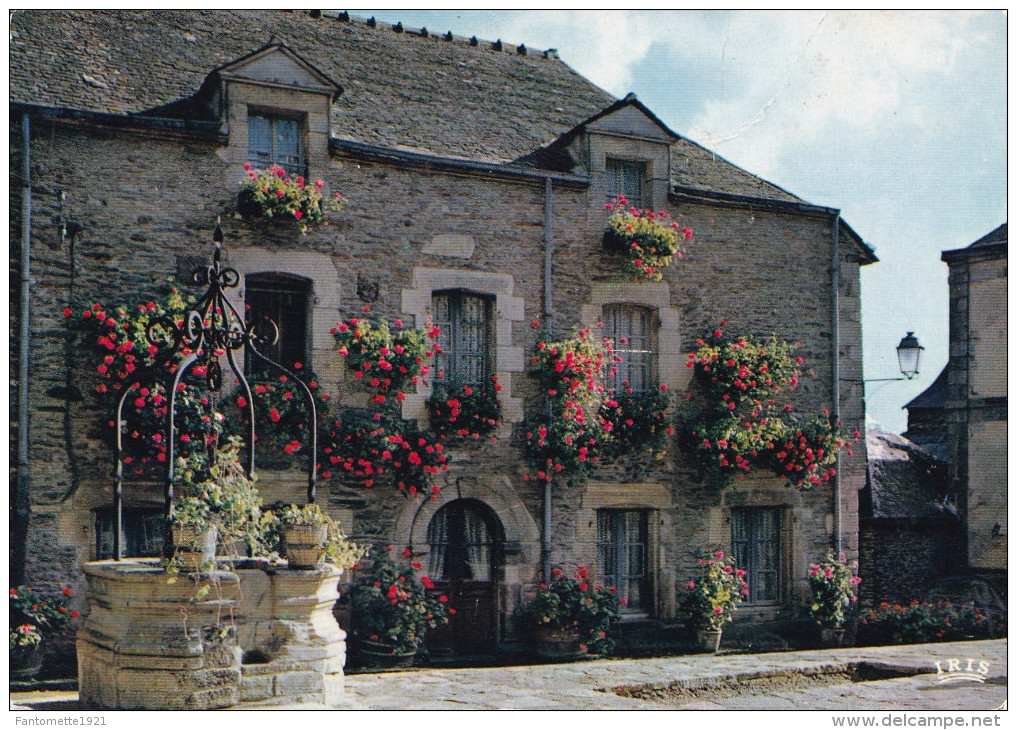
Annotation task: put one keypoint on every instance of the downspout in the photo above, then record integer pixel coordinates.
(835, 292)
(21, 504)
(548, 317)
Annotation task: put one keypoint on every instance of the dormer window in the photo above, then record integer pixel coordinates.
(274, 139)
(625, 177)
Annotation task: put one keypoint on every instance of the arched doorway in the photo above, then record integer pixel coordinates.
(465, 538)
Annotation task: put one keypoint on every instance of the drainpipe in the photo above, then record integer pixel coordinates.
(548, 317)
(835, 292)
(21, 502)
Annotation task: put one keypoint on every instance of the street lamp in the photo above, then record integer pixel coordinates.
(909, 352)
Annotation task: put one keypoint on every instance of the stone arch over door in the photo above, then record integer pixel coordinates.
(522, 535)
(520, 547)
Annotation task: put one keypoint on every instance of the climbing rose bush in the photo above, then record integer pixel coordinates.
(571, 373)
(377, 444)
(650, 241)
(920, 623)
(465, 412)
(273, 193)
(33, 616)
(386, 359)
(281, 414)
(735, 417)
(833, 590)
(116, 342)
(713, 595)
(638, 423)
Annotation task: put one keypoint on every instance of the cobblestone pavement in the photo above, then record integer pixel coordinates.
(588, 685)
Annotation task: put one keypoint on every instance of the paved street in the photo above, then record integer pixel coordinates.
(589, 685)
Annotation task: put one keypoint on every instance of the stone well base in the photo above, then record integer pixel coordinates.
(149, 643)
(293, 649)
(259, 636)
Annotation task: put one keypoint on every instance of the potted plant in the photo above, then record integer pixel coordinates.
(569, 617)
(312, 538)
(194, 535)
(393, 610)
(33, 617)
(275, 195)
(713, 596)
(219, 510)
(833, 591)
(650, 241)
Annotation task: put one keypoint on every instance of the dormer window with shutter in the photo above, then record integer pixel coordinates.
(274, 139)
(625, 178)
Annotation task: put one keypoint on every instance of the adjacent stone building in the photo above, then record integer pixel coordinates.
(962, 415)
(910, 526)
(464, 163)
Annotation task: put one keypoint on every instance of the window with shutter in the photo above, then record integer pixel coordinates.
(622, 548)
(755, 537)
(625, 178)
(465, 339)
(276, 140)
(632, 330)
(283, 300)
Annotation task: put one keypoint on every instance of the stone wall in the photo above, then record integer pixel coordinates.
(148, 202)
(898, 562)
(977, 402)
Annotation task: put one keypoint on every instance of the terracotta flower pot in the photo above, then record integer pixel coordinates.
(26, 665)
(558, 645)
(831, 638)
(709, 640)
(305, 545)
(196, 546)
(382, 654)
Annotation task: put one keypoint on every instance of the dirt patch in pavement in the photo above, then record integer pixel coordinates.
(685, 691)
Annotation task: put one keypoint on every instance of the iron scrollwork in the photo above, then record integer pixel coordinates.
(214, 329)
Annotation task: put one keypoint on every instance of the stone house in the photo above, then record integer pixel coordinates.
(908, 519)
(962, 415)
(476, 175)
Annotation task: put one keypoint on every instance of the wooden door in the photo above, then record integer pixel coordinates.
(464, 540)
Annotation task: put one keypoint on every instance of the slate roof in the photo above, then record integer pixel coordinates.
(992, 245)
(905, 480)
(990, 239)
(934, 396)
(402, 90)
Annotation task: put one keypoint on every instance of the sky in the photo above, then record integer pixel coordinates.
(896, 118)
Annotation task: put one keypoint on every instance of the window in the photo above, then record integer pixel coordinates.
(141, 535)
(465, 339)
(626, 178)
(631, 328)
(283, 300)
(275, 140)
(462, 543)
(755, 535)
(621, 552)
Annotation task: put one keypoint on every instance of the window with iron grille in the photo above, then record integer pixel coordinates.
(276, 140)
(283, 300)
(622, 547)
(141, 534)
(755, 537)
(465, 339)
(632, 330)
(625, 177)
